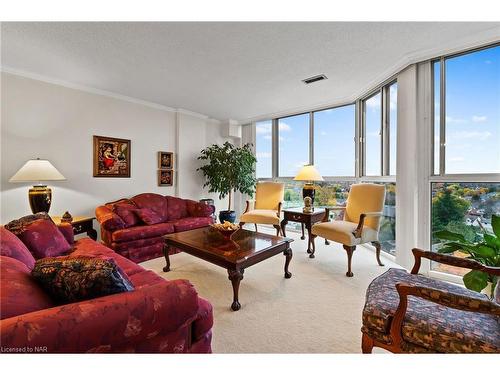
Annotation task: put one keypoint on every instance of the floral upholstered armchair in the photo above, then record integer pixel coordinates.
(409, 313)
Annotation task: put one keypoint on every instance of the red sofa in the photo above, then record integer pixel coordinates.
(140, 242)
(159, 316)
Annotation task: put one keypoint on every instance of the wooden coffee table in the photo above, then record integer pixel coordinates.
(245, 249)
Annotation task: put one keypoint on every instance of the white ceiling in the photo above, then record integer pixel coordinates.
(235, 71)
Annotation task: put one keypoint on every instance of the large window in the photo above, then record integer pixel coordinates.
(466, 128)
(379, 129)
(467, 113)
(334, 141)
(293, 136)
(264, 149)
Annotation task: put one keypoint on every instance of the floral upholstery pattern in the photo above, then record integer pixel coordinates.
(143, 242)
(189, 223)
(77, 278)
(40, 235)
(67, 231)
(148, 216)
(430, 326)
(155, 202)
(177, 208)
(126, 212)
(159, 316)
(13, 247)
(20, 294)
(108, 219)
(142, 232)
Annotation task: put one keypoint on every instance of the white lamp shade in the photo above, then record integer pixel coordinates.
(308, 173)
(37, 170)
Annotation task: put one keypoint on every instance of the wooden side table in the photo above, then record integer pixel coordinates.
(306, 219)
(80, 224)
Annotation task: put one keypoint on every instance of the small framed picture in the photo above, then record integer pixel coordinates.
(165, 177)
(165, 160)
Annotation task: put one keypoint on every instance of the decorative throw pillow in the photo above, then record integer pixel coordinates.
(13, 247)
(70, 279)
(148, 216)
(40, 235)
(198, 209)
(127, 213)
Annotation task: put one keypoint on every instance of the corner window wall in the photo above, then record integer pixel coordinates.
(293, 138)
(466, 129)
(264, 149)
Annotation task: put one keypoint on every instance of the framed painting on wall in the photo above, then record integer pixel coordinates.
(111, 157)
(165, 177)
(165, 160)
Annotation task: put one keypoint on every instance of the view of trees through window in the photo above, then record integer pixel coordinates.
(464, 208)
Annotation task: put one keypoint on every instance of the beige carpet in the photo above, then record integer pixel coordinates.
(318, 310)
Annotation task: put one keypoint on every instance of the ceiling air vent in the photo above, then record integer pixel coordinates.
(317, 78)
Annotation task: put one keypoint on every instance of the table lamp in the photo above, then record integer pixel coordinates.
(40, 196)
(309, 174)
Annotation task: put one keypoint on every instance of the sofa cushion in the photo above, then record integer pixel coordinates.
(20, 292)
(145, 278)
(126, 212)
(189, 223)
(198, 209)
(41, 236)
(77, 278)
(148, 216)
(155, 202)
(13, 247)
(432, 326)
(177, 208)
(91, 248)
(142, 232)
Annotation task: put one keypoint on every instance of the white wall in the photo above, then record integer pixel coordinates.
(44, 120)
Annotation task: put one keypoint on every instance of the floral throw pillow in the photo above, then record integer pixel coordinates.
(148, 216)
(70, 279)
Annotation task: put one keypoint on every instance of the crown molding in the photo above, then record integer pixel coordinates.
(92, 90)
(477, 40)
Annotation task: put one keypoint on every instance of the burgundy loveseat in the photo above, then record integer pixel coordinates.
(158, 316)
(126, 233)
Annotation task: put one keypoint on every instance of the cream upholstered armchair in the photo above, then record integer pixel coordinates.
(266, 208)
(360, 224)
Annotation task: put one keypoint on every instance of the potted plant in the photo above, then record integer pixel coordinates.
(486, 251)
(229, 169)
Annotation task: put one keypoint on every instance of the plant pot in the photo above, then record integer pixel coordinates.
(227, 216)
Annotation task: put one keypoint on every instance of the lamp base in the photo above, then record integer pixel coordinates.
(40, 198)
(308, 191)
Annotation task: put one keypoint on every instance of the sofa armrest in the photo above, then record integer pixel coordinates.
(108, 219)
(105, 324)
(67, 230)
(199, 209)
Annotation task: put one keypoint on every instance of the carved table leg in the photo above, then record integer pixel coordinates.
(283, 225)
(349, 250)
(366, 344)
(235, 275)
(327, 242)
(167, 258)
(378, 247)
(308, 227)
(311, 240)
(302, 237)
(288, 254)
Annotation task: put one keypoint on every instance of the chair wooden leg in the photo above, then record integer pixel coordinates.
(313, 244)
(278, 229)
(349, 250)
(302, 237)
(378, 247)
(241, 223)
(256, 227)
(366, 344)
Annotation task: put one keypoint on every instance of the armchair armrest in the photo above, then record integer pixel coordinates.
(250, 205)
(279, 209)
(452, 261)
(440, 297)
(109, 220)
(359, 229)
(67, 230)
(109, 323)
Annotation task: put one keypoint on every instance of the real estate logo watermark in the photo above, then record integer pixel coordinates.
(23, 349)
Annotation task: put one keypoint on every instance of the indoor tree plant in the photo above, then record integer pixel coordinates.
(486, 251)
(229, 169)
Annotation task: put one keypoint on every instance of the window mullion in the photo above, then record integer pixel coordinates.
(275, 148)
(442, 119)
(311, 138)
